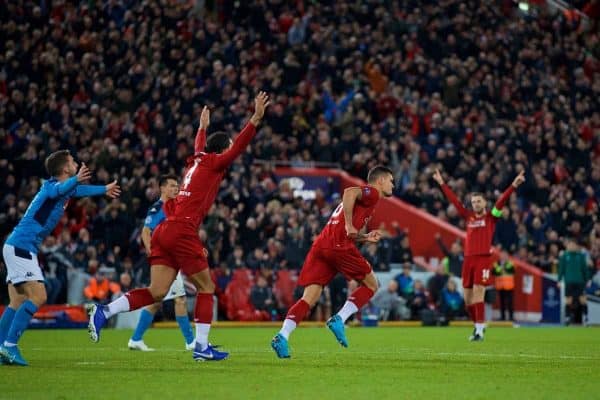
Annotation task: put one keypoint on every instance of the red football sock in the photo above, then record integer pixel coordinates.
(298, 311)
(361, 296)
(471, 312)
(139, 298)
(203, 312)
(479, 312)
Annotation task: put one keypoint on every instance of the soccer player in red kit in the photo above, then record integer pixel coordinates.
(481, 224)
(335, 251)
(175, 242)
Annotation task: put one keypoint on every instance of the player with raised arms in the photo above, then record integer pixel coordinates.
(477, 263)
(169, 187)
(175, 242)
(25, 279)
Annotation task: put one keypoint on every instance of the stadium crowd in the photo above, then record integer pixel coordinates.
(471, 87)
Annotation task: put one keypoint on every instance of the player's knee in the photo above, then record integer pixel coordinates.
(180, 301)
(205, 286)
(158, 293)
(39, 298)
(153, 308)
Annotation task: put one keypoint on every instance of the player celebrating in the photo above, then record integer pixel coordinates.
(168, 190)
(25, 278)
(335, 251)
(175, 243)
(478, 245)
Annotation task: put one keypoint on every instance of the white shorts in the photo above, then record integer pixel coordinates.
(21, 265)
(177, 289)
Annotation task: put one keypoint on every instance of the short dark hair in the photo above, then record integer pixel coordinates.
(56, 161)
(162, 181)
(377, 172)
(477, 194)
(217, 142)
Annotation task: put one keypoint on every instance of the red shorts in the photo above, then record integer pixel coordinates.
(321, 266)
(177, 245)
(476, 270)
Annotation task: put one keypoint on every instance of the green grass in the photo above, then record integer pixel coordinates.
(381, 363)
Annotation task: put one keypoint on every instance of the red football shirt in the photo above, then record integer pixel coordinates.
(203, 175)
(334, 234)
(480, 229)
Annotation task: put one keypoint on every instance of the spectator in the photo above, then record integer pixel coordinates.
(452, 304)
(405, 283)
(391, 306)
(436, 284)
(261, 297)
(453, 259)
(100, 288)
(419, 301)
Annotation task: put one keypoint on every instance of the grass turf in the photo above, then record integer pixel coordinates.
(381, 363)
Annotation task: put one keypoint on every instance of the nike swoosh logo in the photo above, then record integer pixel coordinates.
(209, 356)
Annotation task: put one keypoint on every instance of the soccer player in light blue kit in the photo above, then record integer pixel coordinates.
(24, 276)
(169, 188)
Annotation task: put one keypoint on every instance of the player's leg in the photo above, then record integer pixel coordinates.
(203, 314)
(161, 278)
(177, 292)
(583, 305)
(28, 294)
(183, 321)
(568, 309)
(316, 272)
(294, 316)
(136, 342)
(478, 308)
(35, 294)
(467, 283)
(354, 267)
(16, 299)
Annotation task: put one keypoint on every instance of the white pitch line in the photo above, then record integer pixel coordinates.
(412, 351)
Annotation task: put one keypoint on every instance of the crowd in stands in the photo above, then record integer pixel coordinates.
(470, 87)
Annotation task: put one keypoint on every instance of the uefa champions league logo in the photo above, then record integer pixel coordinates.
(551, 298)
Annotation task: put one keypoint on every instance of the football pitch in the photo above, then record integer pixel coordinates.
(381, 363)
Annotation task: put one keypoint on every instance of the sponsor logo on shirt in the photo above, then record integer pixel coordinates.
(476, 223)
(185, 193)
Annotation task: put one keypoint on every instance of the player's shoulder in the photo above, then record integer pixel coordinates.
(368, 191)
(156, 207)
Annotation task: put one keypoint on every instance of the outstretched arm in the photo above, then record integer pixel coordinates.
(60, 188)
(200, 141)
(112, 190)
(497, 210)
(225, 159)
(462, 211)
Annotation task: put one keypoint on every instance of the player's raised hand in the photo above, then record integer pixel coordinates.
(519, 179)
(84, 173)
(437, 176)
(260, 105)
(204, 118)
(113, 190)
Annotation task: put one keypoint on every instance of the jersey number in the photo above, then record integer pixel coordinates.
(188, 177)
(485, 274)
(337, 211)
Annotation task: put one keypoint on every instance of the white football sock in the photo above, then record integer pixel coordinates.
(118, 306)
(288, 327)
(202, 335)
(347, 311)
(479, 328)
